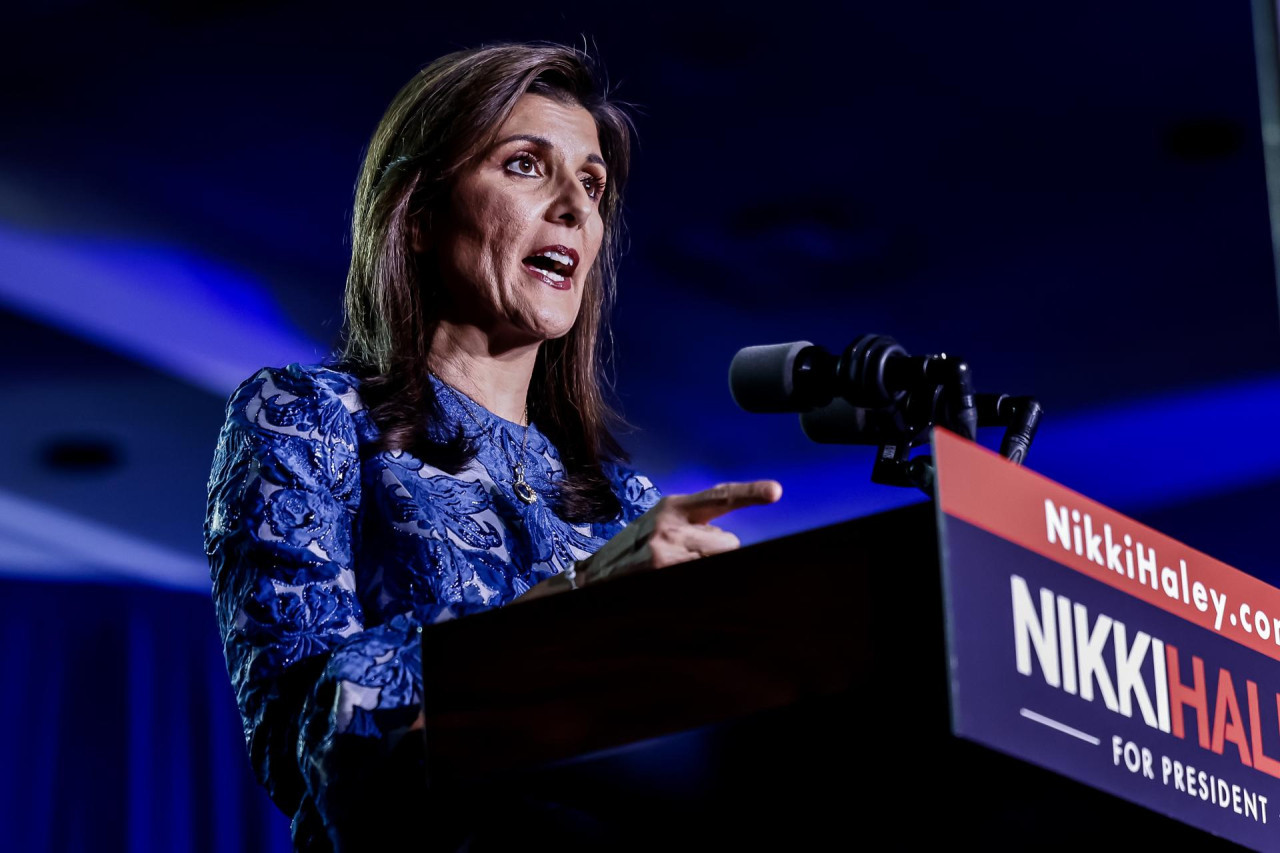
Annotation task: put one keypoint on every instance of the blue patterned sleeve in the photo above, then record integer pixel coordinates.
(283, 493)
(635, 491)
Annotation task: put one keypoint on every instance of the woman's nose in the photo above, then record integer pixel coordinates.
(572, 205)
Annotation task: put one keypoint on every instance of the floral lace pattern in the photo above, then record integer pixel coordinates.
(327, 558)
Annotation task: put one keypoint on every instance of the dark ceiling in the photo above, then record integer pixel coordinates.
(1072, 198)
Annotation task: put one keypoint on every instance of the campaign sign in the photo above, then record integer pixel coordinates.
(1103, 650)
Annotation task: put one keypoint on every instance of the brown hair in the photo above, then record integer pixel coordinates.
(445, 117)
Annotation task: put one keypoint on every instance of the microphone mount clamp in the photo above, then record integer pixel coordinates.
(883, 396)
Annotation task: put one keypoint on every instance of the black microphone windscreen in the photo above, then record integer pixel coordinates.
(841, 422)
(834, 423)
(762, 378)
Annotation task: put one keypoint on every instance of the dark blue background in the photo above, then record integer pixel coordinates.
(1073, 199)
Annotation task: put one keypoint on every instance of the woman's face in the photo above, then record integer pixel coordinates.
(525, 226)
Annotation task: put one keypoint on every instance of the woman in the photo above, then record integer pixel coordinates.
(459, 457)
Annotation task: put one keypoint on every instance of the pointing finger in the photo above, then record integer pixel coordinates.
(701, 507)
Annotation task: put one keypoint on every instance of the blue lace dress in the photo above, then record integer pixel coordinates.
(327, 558)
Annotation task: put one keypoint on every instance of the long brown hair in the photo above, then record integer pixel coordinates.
(445, 117)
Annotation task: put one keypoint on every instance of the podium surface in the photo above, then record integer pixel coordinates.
(794, 692)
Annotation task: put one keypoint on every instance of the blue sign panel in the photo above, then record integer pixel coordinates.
(1102, 678)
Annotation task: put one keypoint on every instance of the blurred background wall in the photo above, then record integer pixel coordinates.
(1071, 198)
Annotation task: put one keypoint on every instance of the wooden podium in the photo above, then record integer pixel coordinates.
(799, 685)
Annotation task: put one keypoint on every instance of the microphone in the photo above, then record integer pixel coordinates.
(799, 376)
(840, 422)
(874, 392)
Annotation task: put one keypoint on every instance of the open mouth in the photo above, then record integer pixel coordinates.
(554, 264)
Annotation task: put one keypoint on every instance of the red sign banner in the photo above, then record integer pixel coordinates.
(1045, 517)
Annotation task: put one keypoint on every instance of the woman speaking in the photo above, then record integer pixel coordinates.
(459, 454)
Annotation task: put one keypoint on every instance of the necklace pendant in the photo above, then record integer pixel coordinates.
(522, 488)
(519, 485)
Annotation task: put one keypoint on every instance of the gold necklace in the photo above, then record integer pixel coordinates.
(519, 485)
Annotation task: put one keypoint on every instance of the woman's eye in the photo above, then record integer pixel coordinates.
(523, 165)
(594, 187)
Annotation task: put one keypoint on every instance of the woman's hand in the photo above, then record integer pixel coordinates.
(675, 530)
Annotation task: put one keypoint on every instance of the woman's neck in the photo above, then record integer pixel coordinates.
(464, 357)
